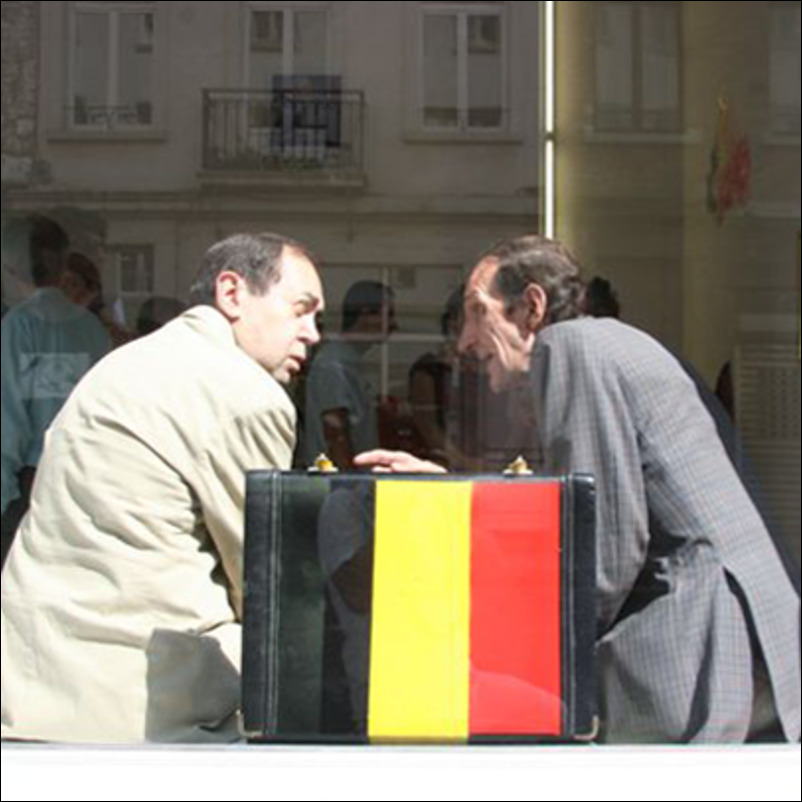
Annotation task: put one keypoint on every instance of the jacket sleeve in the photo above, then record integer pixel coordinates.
(586, 424)
(259, 440)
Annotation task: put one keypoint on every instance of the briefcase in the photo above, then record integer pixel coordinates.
(388, 608)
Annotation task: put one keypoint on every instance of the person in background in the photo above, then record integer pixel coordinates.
(341, 402)
(445, 390)
(601, 300)
(48, 344)
(155, 311)
(83, 286)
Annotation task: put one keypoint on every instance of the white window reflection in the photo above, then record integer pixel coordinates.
(111, 65)
(784, 68)
(637, 67)
(463, 68)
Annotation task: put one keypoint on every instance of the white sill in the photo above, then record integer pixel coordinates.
(782, 140)
(258, 180)
(462, 137)
(104, 135)
(595, 137)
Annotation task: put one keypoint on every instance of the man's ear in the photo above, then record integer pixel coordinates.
(228, 289)
(536, 303)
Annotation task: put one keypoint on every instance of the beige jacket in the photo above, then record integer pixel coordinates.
(122, 594)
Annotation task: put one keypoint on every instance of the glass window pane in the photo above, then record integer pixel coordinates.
(136, 269)
(784, 68)
(440, 71)
(660, 65)
(421, 293)
(311, 45)
(90, 68)
(415, 330)
(614, 66)
(697, 231)
(267, 31)
(267, 48)
(135, 92)
(484, 71)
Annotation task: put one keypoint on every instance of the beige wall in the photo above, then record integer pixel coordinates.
(634, 206)
(747, 265)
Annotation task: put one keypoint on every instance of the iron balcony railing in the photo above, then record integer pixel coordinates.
(83, 115)
(286, 129)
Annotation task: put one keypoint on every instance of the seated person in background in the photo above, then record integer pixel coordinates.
(155, 312)
(341, 403)
(444, 394)
(48, 343)
(601, 299)
(82, 285)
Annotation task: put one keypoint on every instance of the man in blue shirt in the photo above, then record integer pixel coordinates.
(48, 343)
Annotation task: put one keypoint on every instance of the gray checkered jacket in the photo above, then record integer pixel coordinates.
(690, 585)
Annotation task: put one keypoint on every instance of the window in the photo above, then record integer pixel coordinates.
(135, 268)
(111, 75)
(637, 67)
(784, 69)
(267, 31)
(286, 41)
(420, 292)
(463, 67)
(294, 108)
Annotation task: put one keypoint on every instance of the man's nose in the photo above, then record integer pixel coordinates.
(311, 333)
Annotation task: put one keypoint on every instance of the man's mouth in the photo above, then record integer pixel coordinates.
(296, 363)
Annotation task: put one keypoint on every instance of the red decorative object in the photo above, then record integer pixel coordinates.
(730, 167)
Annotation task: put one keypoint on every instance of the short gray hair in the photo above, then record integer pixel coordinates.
(255, 257)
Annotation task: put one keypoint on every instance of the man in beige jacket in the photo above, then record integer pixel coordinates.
(121, 597)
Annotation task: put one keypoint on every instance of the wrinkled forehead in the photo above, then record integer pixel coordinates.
(480, 282)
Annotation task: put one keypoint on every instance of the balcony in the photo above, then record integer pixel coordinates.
(289, 135)
(83, 115)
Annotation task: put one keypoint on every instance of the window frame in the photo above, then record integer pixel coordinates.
(636, 105)
(107, 122)
(131, 299)
(462, 11)
(290, 11)
(775, 129)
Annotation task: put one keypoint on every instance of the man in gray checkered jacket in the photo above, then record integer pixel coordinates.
(699, 623)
